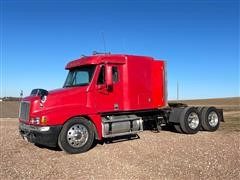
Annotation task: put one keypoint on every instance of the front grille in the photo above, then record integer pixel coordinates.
(24, 111)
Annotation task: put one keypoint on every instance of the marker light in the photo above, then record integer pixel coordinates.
(43, 120)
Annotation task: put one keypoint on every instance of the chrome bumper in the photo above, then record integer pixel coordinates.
(26, 127)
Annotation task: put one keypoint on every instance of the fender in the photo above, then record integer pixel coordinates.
(59, 115)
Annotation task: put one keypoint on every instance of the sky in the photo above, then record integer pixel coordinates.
(198, 39)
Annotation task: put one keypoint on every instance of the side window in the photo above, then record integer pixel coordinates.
(101, 76)
(115, 74)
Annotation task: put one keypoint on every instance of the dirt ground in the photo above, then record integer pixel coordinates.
(164, 155)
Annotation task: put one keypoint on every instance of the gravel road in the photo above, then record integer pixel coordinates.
(164, 155)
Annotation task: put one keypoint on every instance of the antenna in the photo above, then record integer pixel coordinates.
(104, 43)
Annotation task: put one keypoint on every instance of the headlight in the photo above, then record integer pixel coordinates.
(35, 120)
(39, 120)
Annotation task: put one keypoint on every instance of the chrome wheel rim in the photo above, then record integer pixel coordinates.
(213, 119)
(193, 120)
(77, 135)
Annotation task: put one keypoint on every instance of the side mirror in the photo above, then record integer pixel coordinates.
(109, 78)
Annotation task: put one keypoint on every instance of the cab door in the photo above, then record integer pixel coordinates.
(109, 98)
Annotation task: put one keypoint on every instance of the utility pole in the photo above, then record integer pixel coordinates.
(177, 91)
(21, 95)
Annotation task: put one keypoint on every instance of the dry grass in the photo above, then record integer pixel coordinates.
(232, 121)
(228, 104)
(9, 109)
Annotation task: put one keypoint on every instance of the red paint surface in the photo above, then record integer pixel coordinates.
(140, 86)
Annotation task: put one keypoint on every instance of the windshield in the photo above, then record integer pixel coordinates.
(80, 76)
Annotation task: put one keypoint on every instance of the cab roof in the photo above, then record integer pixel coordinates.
(103, 59)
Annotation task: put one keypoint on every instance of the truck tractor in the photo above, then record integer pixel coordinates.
(107, 96)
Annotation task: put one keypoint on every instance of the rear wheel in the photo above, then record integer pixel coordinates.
(200, 109)
(210, 119)
(189, 120)
(76, 136)
(178, 128)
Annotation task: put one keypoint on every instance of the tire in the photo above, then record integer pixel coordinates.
(76, 136)
(200, 109)
(189, 120)
(178, 128)
(210, 119)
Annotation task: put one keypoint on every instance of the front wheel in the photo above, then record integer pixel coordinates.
(76, 136)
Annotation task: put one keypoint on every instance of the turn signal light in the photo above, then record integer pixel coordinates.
(43, 120)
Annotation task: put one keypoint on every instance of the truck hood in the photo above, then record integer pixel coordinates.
(63, 96)
(66, 101)
(52, 93)
(69, 90)
(59, 98)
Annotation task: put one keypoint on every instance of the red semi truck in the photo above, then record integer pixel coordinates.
(106, 96)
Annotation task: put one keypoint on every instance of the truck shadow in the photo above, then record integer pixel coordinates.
(169, 129)
(49, 148)
(96, 142)
(165, 129)
(119, 139)
(113, 139)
